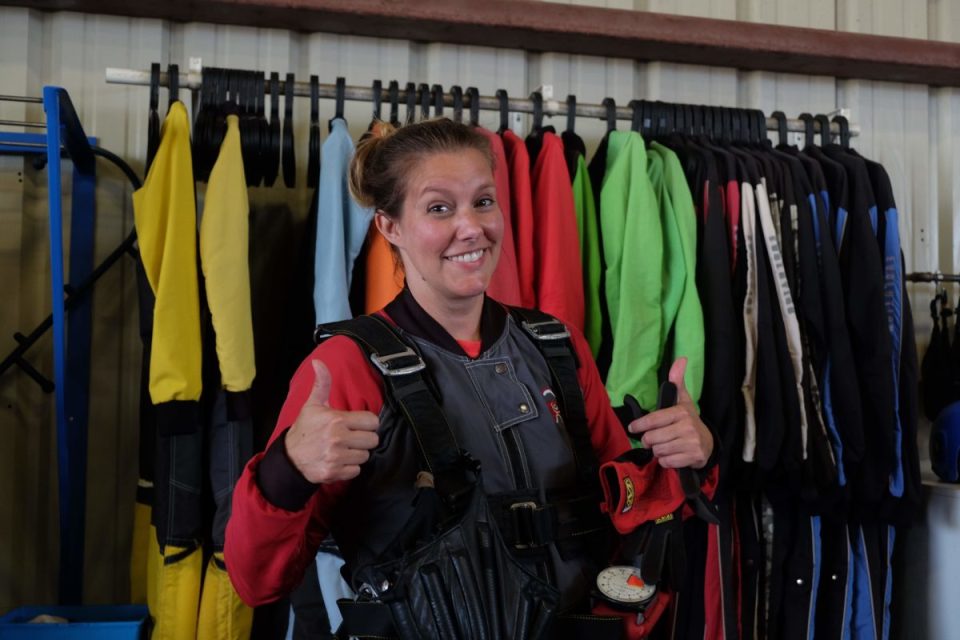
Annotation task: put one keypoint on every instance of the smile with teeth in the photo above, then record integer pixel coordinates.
(473, 256)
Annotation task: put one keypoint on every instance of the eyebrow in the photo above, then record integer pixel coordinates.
(448, 193)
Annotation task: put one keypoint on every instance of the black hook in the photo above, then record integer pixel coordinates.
(611, 106)
(781, 119)
(274, 137)
(457, 94)
(393, 95)
(313, 156)
(154, 85)
(844, 125)
(411, 92)
(824, 123)
(436, 92)
(424, 92)
(340, 97)
(377, 95)
(173, 82)
(636, 114)
(571, 112)
(808, 129)
(474, 95)
(153, 119)
(537, 99)
(289, 153)
(504, 110)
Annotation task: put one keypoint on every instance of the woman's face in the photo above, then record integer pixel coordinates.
(449, 231)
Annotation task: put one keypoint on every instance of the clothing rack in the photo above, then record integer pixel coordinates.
(64, 135)
(193, 80)
(935, 276)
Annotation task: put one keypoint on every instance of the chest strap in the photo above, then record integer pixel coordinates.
(553, 340)
(410, 389)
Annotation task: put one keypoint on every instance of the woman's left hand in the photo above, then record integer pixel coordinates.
(676, 435)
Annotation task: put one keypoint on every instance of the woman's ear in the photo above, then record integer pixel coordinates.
(387, 226)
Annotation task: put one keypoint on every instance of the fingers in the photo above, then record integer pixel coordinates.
(678, 371)
(658, 419)
(320, 392)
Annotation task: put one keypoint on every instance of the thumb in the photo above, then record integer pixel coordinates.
(677, 372)
(320, 392)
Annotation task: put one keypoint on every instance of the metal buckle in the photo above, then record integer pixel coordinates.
(534, 330)
(531, 506)
(383, 363)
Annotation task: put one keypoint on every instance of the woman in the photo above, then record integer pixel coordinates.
(344, 459)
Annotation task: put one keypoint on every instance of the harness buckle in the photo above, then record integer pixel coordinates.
(529, 531)
(385, 364)
(548, 330)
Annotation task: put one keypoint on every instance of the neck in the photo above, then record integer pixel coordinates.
(459, 318)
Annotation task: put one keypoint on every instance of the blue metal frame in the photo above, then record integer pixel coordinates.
(71, 337)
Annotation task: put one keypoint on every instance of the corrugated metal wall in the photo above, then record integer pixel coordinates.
(913, 130)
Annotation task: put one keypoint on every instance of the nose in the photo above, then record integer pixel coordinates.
(470, 225)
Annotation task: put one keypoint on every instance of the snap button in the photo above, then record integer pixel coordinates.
(799, 582)
(501, 368)
(834, 577)
(524, 408)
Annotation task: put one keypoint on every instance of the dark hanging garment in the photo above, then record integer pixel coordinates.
(936, 365)
(596, 169)
(910, 503)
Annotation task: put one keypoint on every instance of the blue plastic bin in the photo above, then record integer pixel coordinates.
(107, 622)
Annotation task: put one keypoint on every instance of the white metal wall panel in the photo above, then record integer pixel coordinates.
(913, 130)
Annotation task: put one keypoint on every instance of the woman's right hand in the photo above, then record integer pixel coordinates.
(328, 445)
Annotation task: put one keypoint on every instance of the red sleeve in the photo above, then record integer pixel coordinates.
(606, 433)
(267, 548)
(558, 268)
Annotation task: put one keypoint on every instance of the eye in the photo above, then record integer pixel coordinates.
(484, 203)
(438, 208)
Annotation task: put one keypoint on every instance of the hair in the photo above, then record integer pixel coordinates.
(382, 163)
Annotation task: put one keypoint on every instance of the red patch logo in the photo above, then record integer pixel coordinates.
(552, 403)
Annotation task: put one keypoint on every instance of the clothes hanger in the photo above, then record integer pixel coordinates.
(571, 112)
(474, 94)
(289, 154)
(537, 98)
(504, 110)
(436, 93)
(411, 92)
(376, 93)
(423, 91)
(262, 126)
(782, 133)
(153, 119)
(313, 156)
(636, 114)
(611, 106)
(173, 83)
(272, 161)
(844, 125)
(249, 132)
(393, 96)
(808, 129)
(824, 123)
(339, 99)
(457, 92)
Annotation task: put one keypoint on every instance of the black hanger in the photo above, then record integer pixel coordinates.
(571, 112)
(289, 154)
(339, 99)
(313, 155)
(504, 110)
(781, 119)
(423, 91)
(153, 119)
(736, 132)
(173, 83)
(844, 125)
(272, 160)
(457, 94)
(611, 106)
(393, 94)
(376, 94)
(263, 127)
(636, 114)
(411, 92)
(537, 98)
(474, 94)
(255, 111)
(436, 93)
(696, 120)
(824, 123)
(808, 129)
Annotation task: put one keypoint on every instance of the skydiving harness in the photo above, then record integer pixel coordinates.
(455, 572)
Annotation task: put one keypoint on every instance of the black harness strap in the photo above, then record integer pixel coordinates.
(408, 386)
(552, 338)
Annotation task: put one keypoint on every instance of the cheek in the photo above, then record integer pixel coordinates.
(493, 228)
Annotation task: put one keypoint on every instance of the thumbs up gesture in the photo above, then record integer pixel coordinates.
(328, 445)
(676, 435)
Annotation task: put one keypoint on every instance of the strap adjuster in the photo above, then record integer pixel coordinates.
(548, 330)
(388, 365)
(532, 525)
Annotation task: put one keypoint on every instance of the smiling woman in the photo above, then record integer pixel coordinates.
(449, 443)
